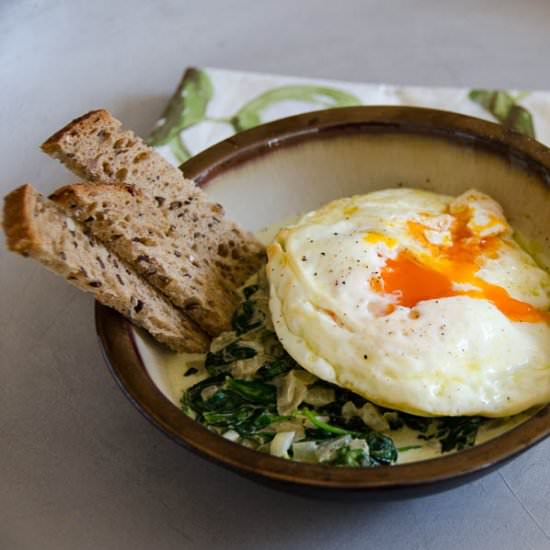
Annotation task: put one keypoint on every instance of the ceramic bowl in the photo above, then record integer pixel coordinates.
(278, 170)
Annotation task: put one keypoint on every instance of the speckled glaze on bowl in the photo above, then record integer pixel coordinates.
(296, 164)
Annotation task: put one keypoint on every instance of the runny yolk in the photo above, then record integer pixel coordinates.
(412, 281)
(373, 237)
(437, 275)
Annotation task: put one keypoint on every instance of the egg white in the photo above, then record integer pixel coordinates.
(456, 356)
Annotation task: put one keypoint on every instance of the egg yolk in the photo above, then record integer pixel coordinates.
(413, 279)
(373, 237)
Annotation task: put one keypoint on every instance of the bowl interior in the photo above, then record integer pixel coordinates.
(295, 179)
(273, 173)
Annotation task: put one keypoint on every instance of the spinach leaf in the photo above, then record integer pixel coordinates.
(253, 392)
(416, 423)
(246, 318)
(250, 290)
(381, 448)
(317, 434)
(228, 419)
(355, 424)
(408, 448)
(219, 362)
(246, 406)
(345, 456)
(394, 420)
(341, 397)
(190, 371)
(457, 432)
(271, 369)
(192, 398)
(262, 420)
(320, 424)
(254, 428)
(223, 400)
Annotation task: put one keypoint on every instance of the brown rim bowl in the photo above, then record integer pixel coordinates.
(515, 152)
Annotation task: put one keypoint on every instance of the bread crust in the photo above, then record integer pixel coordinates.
(37, 228)
(20, 236)
(97, 148)
(56, 144)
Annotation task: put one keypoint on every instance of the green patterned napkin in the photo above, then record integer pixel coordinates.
(212, 104)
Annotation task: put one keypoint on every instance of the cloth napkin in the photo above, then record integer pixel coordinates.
(212, 104)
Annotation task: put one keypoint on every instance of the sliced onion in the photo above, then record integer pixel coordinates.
(359, 444)
(291, 391)
(349, 410)
(327, 451)
(305, 451)
(281, 443)
(245, 369)
(373, 418)
(224, 339)
(319, 396)
(296, 426)
(369, 414)
(232, 435)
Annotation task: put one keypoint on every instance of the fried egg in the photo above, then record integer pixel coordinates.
(417, 301)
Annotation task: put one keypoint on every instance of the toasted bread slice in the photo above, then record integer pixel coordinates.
(36, 227)
(131, 224)
(95, 147)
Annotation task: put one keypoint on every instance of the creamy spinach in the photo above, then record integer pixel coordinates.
(252, 392)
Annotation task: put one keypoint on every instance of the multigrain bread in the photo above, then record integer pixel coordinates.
(95, 147)
(131, 224)
(37, 228)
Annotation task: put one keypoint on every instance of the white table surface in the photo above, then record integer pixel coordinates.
(79, 467)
